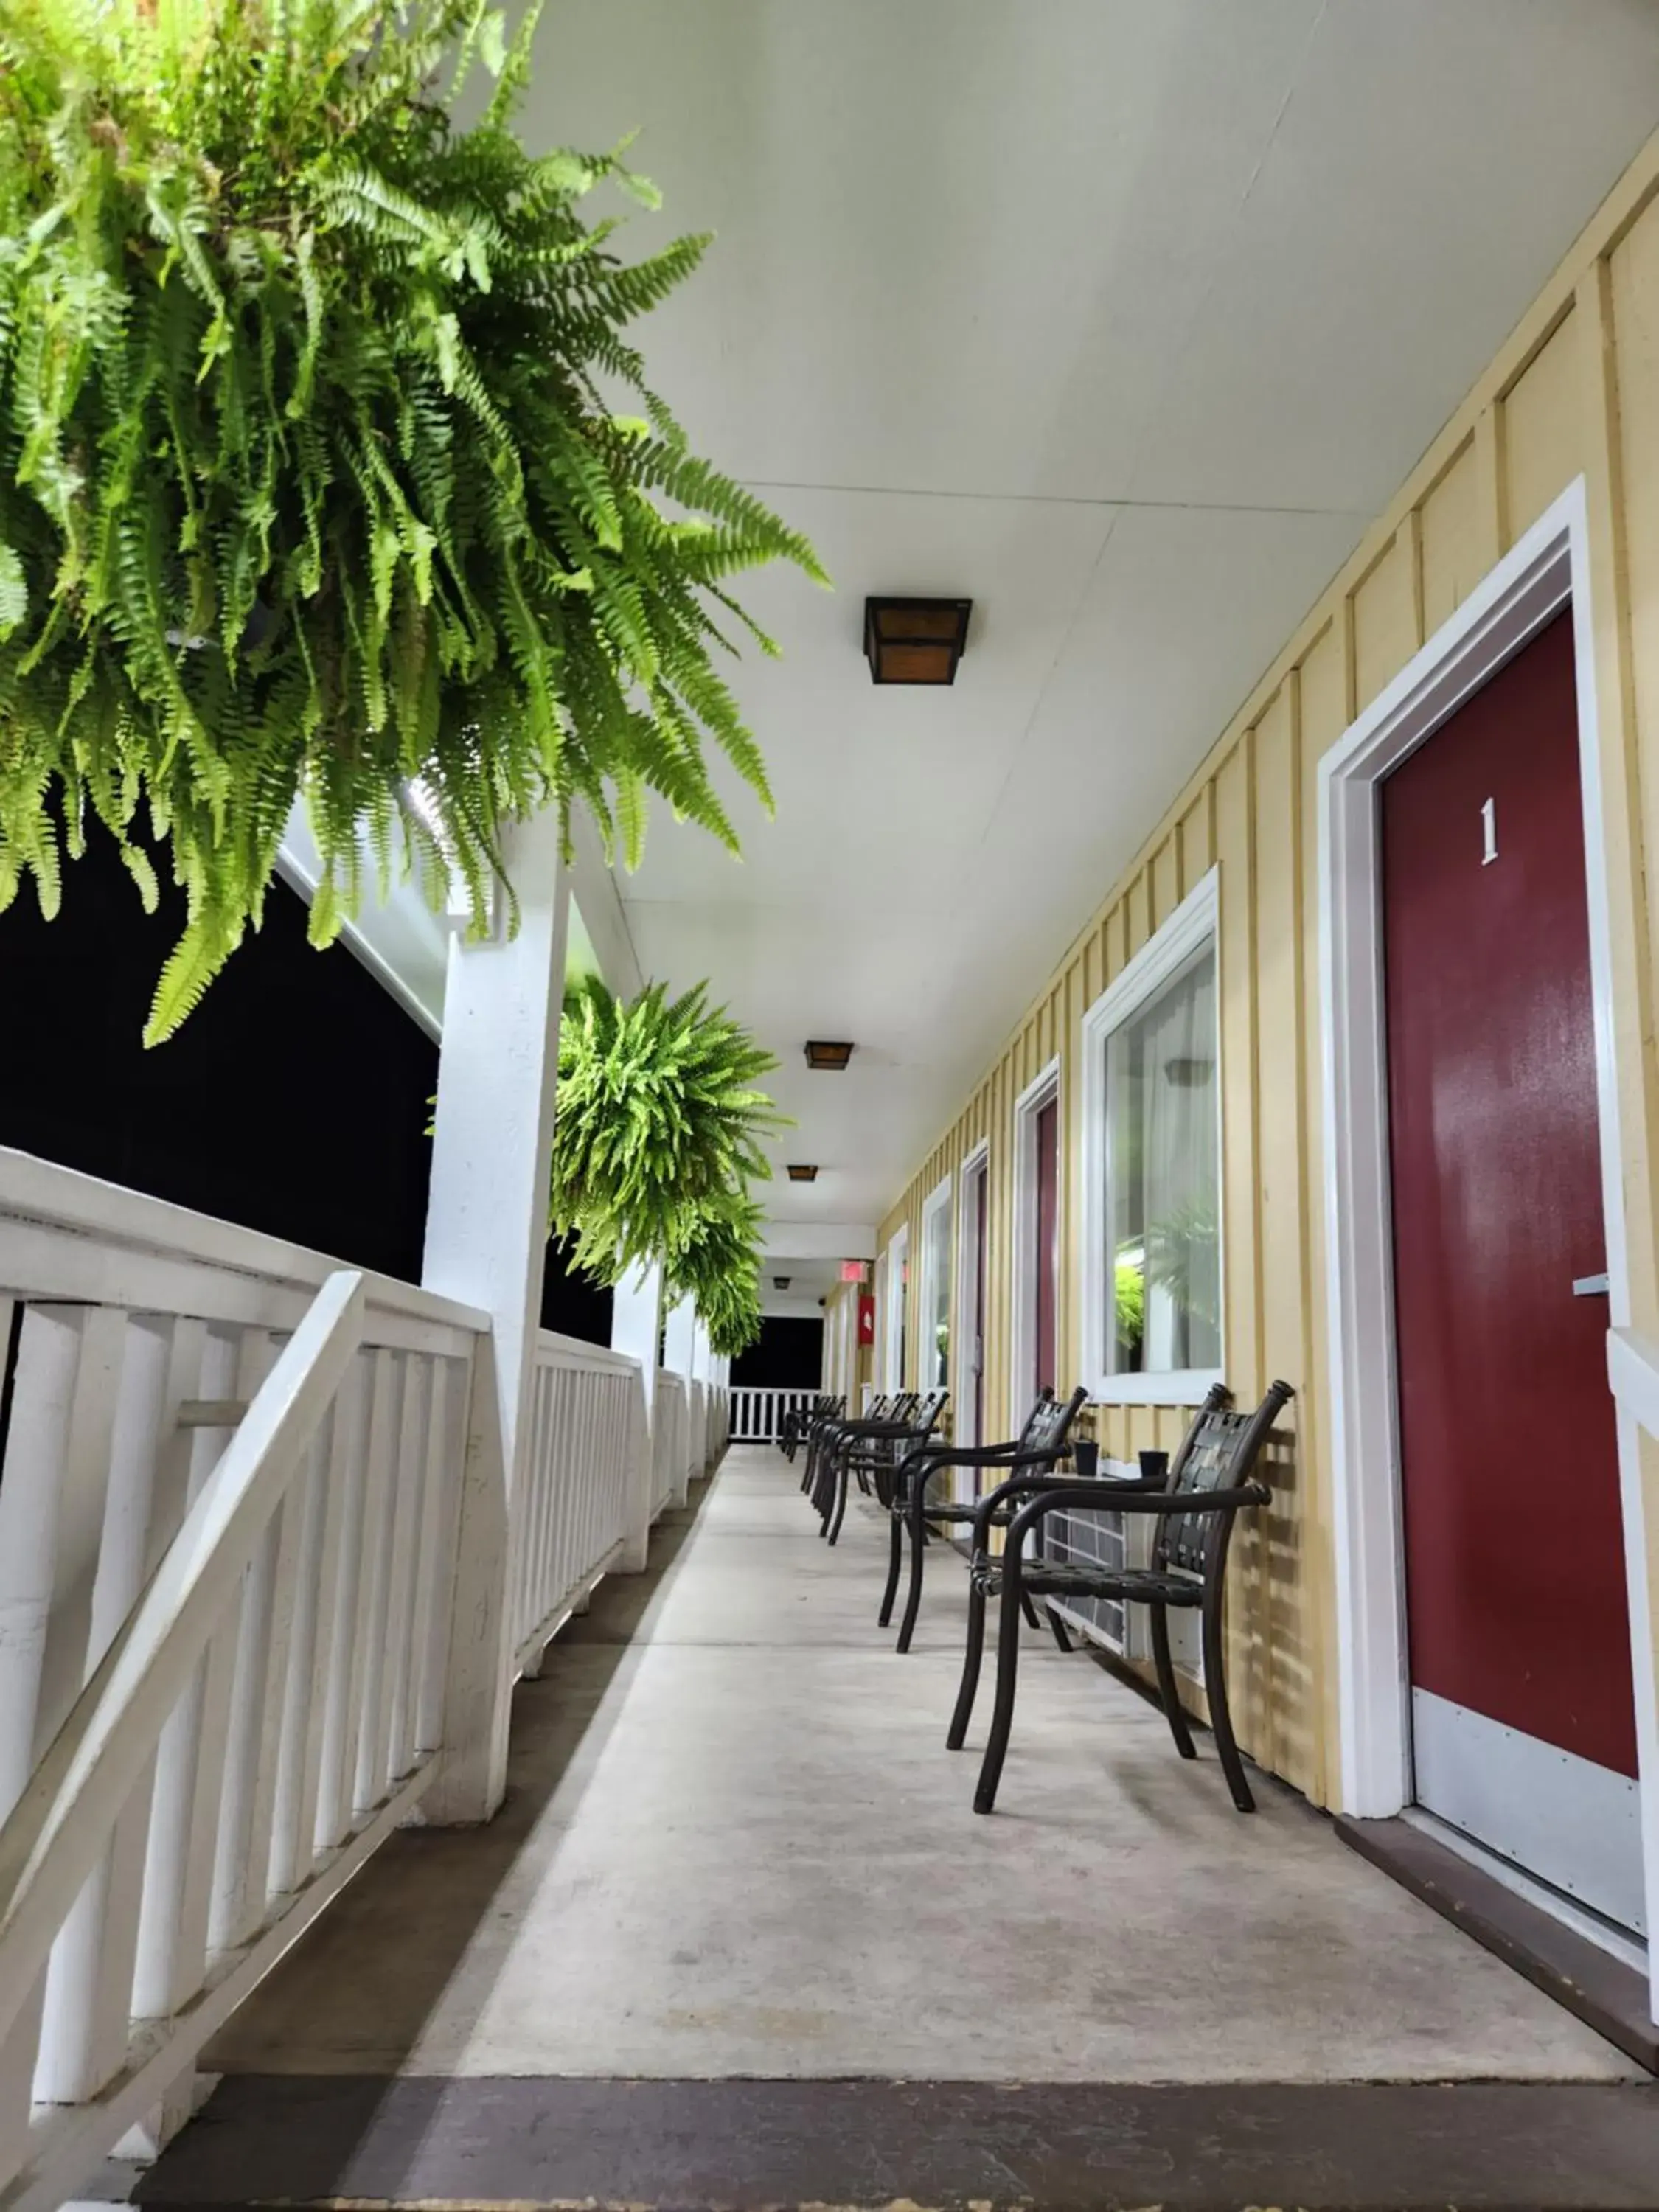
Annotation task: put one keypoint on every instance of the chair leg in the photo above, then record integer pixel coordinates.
(840, 1514)
(1166, 1683)
(1002, 1716)
(1058, 1626)
(823, 1493)
(895, 1560)
(973, 1652)
(916, 1516)
(1029, 1610)
(1221, 1719)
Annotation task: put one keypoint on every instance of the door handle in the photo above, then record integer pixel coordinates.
(1590, 1286)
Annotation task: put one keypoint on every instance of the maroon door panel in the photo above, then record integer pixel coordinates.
(1514, 1549)
(1047, 1240)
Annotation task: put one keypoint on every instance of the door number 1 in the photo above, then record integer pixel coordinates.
(1489, 831)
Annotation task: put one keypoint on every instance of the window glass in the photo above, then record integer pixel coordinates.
(936, 1347)
(1163, 1229)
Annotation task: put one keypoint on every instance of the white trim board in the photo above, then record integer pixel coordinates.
(1043, 1087)
(1197, 917)
(973, 1178)
(1545, 571)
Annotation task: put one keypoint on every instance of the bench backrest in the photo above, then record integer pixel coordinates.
(1048, 1424)
(1217, 1452)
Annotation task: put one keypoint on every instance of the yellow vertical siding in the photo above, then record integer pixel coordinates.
(1574, 390)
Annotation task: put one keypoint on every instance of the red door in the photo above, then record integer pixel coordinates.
(1515, 1578)
(1046, 1271)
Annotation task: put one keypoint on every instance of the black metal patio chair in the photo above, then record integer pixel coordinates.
(1037, 1450)
(821, 1430)
(800, 1419)
(873, 1450)
(1208, 1484)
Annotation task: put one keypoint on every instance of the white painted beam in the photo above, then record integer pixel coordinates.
(819, 1240)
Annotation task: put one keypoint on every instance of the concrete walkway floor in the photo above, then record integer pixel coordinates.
(735, 1846)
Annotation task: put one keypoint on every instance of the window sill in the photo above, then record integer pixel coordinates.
(1187, 1387)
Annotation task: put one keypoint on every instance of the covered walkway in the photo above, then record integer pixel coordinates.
(735, 1846)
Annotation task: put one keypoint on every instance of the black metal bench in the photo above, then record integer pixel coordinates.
(800, 1419)
(873, 1450)
(1208, 1484)
(820, 1435)
(1037, 1450)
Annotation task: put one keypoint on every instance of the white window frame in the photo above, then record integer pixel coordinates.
(1042, 1090)
(968, 1321)
(937, 1201)
(1195, 921)
(894, 1260)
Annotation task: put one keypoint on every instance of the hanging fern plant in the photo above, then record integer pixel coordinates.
(715, 1263)
(657, 1138)
(308, 484)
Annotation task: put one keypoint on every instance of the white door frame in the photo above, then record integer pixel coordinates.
(1545, 571)
(895, 1292)
(1043, 1087)
(973, 1181)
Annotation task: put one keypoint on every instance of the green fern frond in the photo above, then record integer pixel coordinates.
(312, 480)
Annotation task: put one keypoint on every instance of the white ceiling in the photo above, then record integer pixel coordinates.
(1119, 317)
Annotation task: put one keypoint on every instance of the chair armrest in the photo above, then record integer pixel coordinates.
(928, 1459)
(1000, 1499)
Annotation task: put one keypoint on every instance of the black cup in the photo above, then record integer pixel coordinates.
(1085, 1458)
(1154, 1468)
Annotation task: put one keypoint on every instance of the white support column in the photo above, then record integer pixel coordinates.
(635, 1328)
(702, 1373)
(486, 1241)
(679, 1357)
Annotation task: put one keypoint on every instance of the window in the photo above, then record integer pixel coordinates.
(1152, 1168)
(935, 1367)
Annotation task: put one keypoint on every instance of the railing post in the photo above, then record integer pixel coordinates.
(635, 1327)
(486, 1239)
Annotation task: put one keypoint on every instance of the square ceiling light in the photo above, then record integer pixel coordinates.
(821, 1054)
(799, 1172)
(914, 641)
(781, 1282)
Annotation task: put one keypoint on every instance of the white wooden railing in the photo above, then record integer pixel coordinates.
(758, 1415)
(254, 1528)
(579, 1494)
(229, 1496)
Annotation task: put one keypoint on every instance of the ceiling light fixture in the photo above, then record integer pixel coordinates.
(781, 1282)
(799, 1172)
(914, 641)
(822, 1054)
